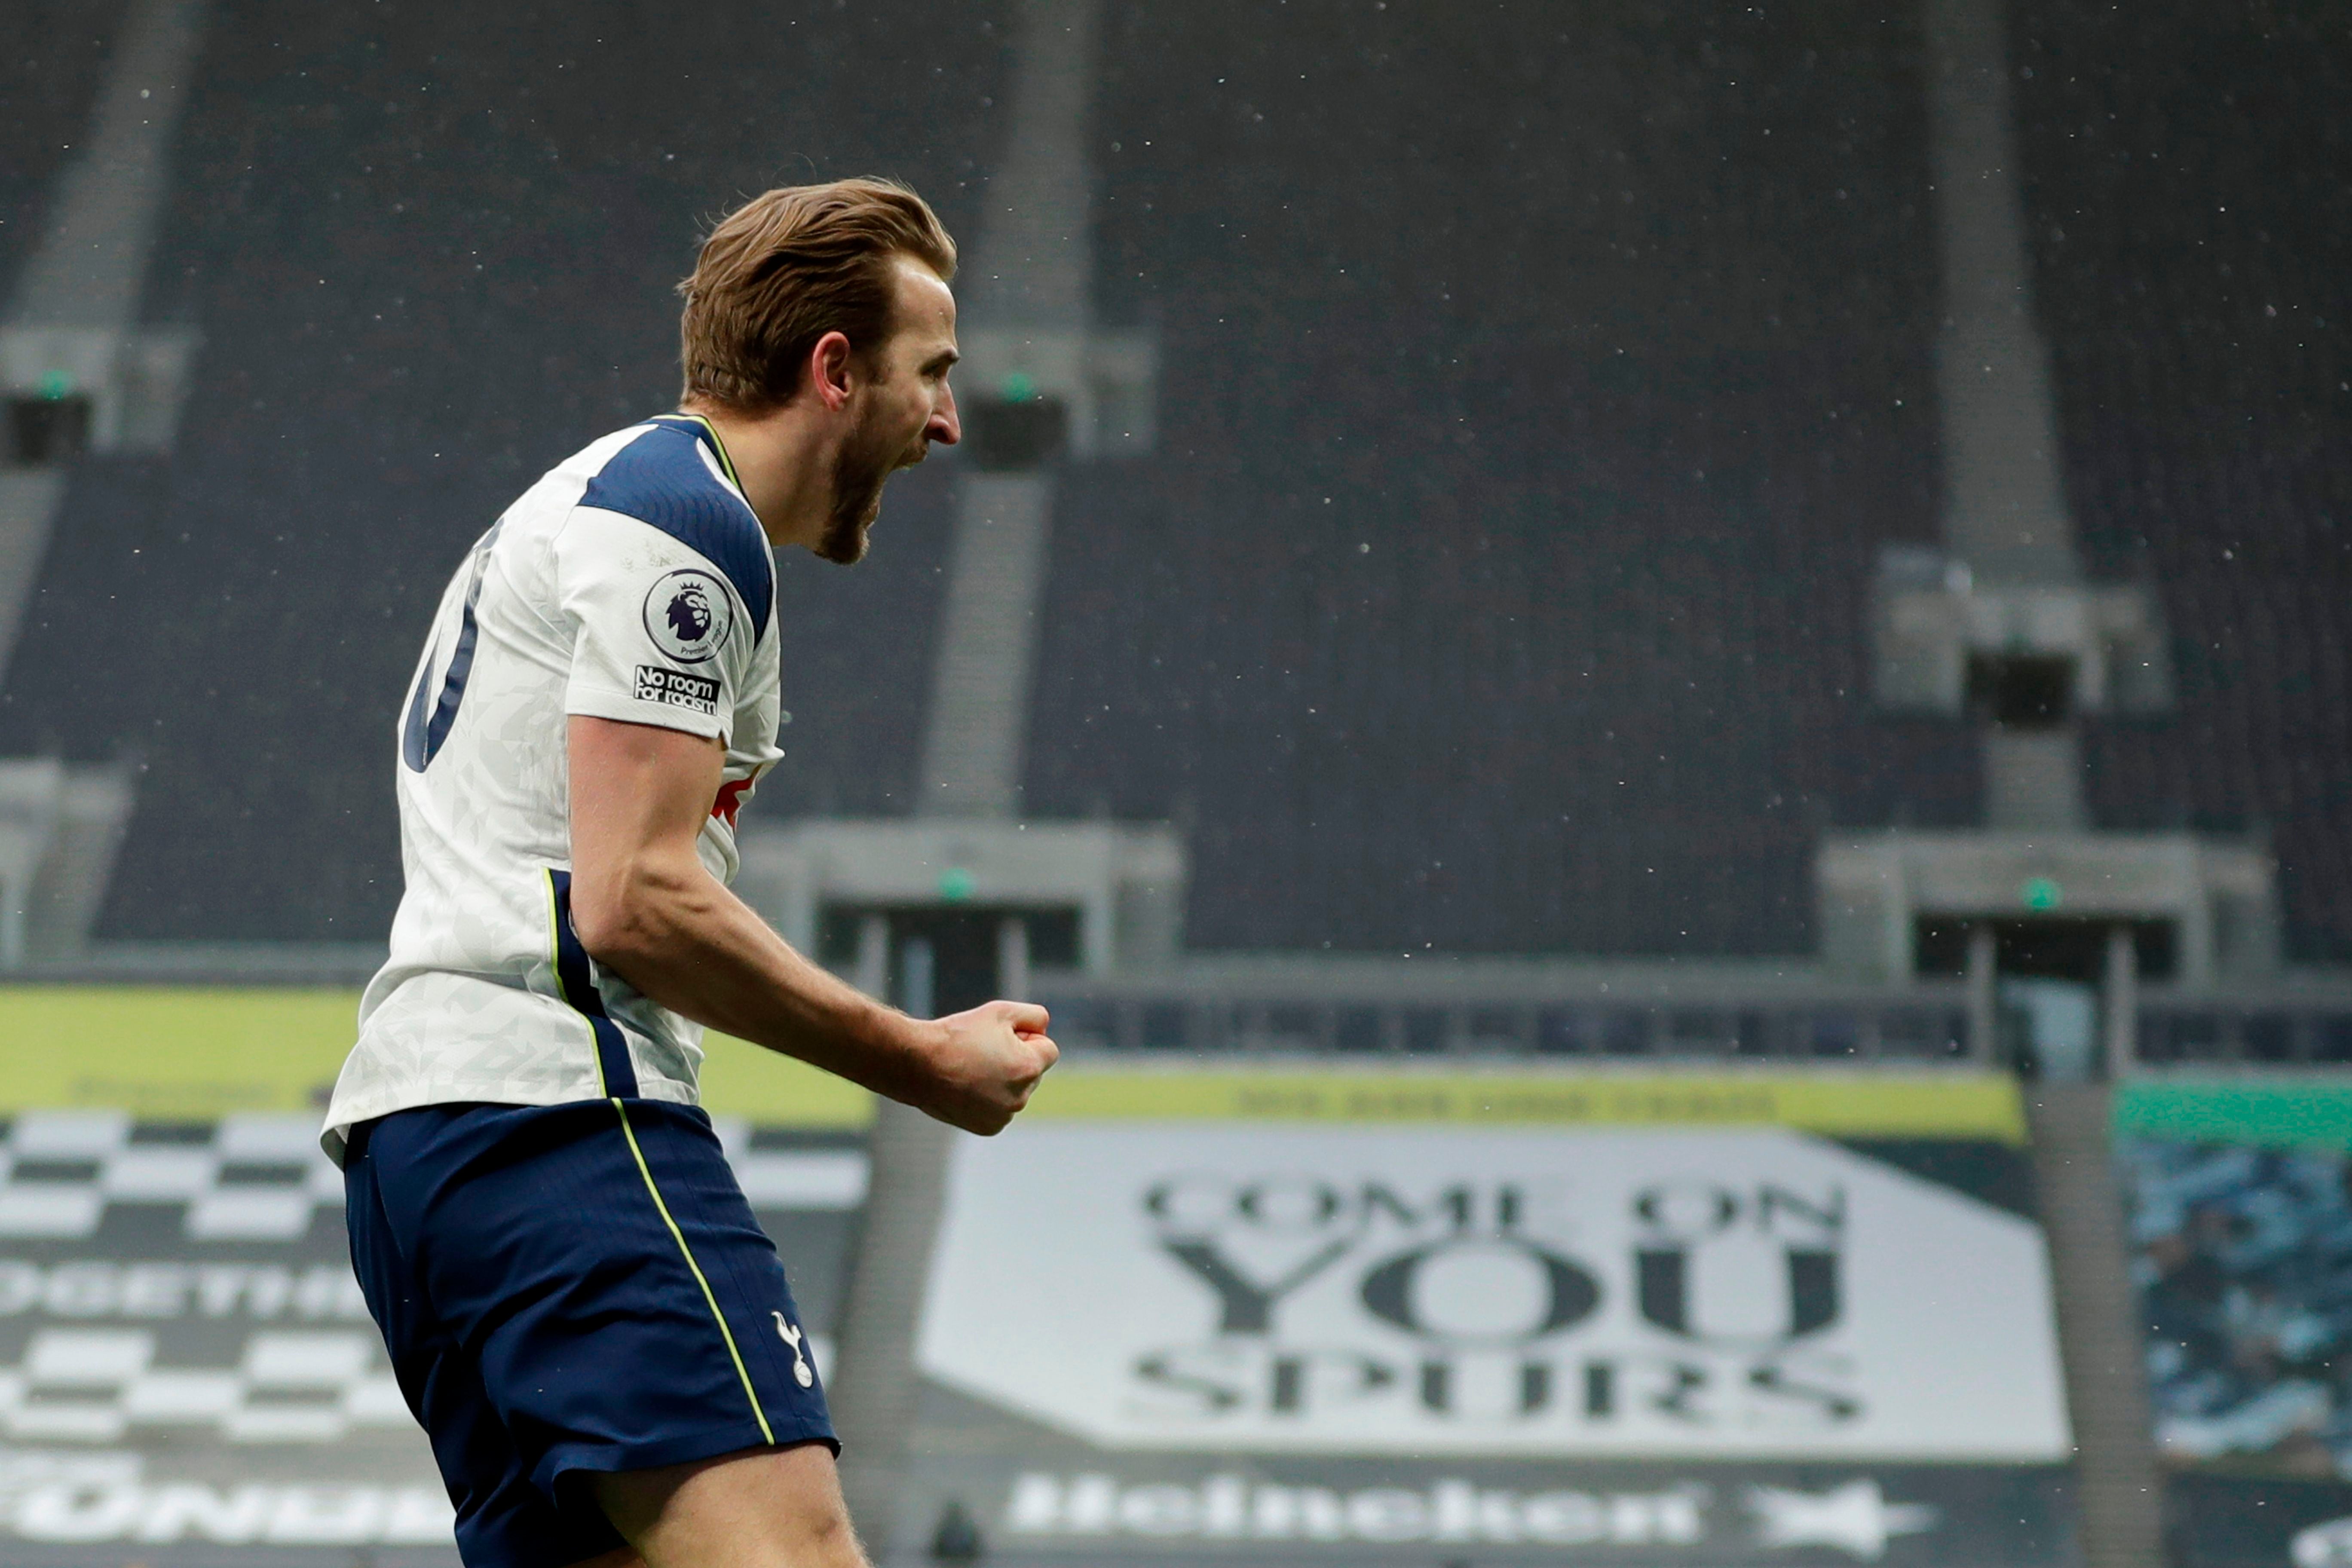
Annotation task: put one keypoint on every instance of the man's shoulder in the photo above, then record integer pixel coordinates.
(667, 474)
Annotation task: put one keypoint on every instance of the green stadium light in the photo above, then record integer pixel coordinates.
(1018, 388)
(2041, 893)
(955, 884)
(55, 384)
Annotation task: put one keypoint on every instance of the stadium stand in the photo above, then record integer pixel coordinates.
(422, 279)
(1509, 712)
(1503, 527)
(1463, 712)
(2189, 250)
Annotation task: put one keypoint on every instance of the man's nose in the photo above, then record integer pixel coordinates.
(944, 427)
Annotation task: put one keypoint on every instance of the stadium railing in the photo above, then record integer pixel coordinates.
(1927, 1023)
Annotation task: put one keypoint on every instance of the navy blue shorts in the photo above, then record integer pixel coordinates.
(570, 1290)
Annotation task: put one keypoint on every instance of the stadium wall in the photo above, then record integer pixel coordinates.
(198, 1052)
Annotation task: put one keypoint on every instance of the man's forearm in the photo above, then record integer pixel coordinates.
(693, 946)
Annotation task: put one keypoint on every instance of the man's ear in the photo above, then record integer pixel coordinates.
(831, 370)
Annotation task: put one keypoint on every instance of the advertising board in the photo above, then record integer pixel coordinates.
(2238, 1195)
(1275, 1335)
(188, 1375)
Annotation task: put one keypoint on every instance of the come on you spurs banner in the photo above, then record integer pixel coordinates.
(1666, 1335)
(1750, 1294)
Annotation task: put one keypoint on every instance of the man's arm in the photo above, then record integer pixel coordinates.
(646, 909)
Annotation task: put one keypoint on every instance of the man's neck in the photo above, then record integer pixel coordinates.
(783, 460)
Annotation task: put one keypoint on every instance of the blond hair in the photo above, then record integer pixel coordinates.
(790, 266)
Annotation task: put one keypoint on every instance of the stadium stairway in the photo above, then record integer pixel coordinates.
(2106, 1380)
(874, 1395)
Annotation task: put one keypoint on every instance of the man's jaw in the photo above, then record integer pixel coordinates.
(846, 529)
(844, 539)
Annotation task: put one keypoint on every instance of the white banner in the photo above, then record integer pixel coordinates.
(1749, 1293)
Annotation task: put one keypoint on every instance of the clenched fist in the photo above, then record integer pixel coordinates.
(986, 1063)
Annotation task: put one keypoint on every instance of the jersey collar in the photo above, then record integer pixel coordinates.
(705, 430)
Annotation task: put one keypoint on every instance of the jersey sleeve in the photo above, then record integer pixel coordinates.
(660, 635)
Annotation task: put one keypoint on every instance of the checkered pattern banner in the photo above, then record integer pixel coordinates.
(262, 1178)
(185, 1358)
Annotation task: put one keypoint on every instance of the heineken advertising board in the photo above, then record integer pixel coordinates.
(1252, 1318)
(2239, 1194)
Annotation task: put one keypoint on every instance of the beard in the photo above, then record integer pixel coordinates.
(864, 467)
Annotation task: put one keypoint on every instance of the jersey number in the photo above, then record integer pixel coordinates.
(426, 729)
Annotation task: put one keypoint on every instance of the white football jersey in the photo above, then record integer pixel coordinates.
(632, 582)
